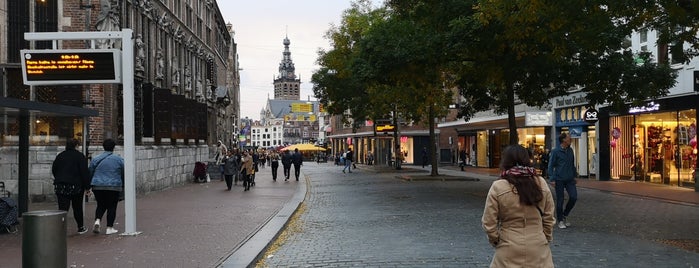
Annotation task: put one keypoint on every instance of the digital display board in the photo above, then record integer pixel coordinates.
(77, 66)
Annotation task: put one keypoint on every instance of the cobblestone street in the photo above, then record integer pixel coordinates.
(370, 219)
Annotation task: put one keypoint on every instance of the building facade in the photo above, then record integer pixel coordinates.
(186, 85)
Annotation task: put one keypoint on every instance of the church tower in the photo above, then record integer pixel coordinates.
(287, 86)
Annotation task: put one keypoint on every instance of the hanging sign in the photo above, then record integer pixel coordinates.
(591, 115)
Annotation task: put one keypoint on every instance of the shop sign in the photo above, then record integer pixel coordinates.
(384, 128)
(532, 119)
(570, 100)
(591, 115)
(652, 106)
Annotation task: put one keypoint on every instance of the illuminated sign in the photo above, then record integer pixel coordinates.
(76, 66)
(384, 128)
(652, 106)
(591, 115)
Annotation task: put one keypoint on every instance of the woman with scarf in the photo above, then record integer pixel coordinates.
(518, 216)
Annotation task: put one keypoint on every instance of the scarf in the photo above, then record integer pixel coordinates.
(518, 171)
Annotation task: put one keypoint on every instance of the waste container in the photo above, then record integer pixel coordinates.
(44, 239)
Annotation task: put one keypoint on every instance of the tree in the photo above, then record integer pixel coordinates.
(531, 51)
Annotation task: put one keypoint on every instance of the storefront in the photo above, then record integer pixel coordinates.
(656, 143)
(483, 139)
(570, 117)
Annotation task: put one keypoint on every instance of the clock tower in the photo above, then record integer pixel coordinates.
(287, 86)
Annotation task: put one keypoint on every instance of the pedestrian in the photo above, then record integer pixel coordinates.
(247, 170)
(107, 185)
(348, 161)
(220, 153)
(230, 168)
(274, 159)
(71, 181)
(297, 160)
(544, 163)
(562, 174)
(462, 157)
(425, 157)
(370, 158)
(518, 214)
(286, 164)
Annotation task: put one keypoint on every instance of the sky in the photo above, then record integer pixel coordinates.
(260, 28)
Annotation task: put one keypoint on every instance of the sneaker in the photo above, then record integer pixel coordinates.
(567, 223)
(96, 228)
(82, 230)
(111, 230)
(562, 225)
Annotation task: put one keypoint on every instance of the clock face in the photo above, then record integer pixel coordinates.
(290, 75)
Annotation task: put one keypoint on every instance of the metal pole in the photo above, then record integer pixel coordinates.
(129, 132)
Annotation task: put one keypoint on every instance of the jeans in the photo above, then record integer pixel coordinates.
(297, 171)
(568, 186)
(348, 165)
(64, 203)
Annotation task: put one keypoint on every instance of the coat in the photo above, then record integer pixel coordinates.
(520, 234)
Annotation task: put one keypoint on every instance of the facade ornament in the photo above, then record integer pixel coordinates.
(187, 81)
(178, 34)
(108, 21)
(140, 56)
(160, 65)
(164, 21)
(146, 7)
(175, 75)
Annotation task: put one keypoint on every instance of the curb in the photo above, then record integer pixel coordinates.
(250, 251)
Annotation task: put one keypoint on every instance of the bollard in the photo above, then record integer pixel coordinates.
(44, 239)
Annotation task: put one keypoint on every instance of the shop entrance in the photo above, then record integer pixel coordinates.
(656, 148)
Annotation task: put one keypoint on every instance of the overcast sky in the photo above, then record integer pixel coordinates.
(260, 28)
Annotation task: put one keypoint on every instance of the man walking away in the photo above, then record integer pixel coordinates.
(562, 172)
(297, 160)
(71, 180)
(286, 164)
(274, 159)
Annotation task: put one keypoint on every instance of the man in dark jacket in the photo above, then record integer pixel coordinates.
(70, 179)
(297, 160)
(563, 172)
(286, 163)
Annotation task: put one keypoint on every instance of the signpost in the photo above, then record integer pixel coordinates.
(92, 66)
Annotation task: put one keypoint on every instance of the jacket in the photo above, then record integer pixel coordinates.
(70, 167)
(297, 159)
(109, 175)
(247, 165)
(520, 234)
(562, 165)
(286, 159)
(230, 165)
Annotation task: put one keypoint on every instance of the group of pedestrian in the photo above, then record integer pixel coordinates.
(74, 179)
(518, 217)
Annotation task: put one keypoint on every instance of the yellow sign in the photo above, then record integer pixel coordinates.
(385, 128)
(301, 107)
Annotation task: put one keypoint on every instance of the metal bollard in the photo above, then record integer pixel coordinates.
(44, 239)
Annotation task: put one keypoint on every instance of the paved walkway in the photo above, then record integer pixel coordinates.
(202, 225)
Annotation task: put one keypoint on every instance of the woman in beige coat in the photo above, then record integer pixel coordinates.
(518, 215)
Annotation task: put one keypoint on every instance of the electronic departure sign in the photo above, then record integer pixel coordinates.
(74, 66)
(378, 128)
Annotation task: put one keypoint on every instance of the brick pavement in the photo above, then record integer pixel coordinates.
(369, 219)
(192, 225)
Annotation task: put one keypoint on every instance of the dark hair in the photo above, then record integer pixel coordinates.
(108, 145)
(562, 137)
(72, 144)
(527, 187)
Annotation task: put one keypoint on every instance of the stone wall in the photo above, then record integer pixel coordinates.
(157, 167)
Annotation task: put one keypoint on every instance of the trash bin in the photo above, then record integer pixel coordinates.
(44, 239)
